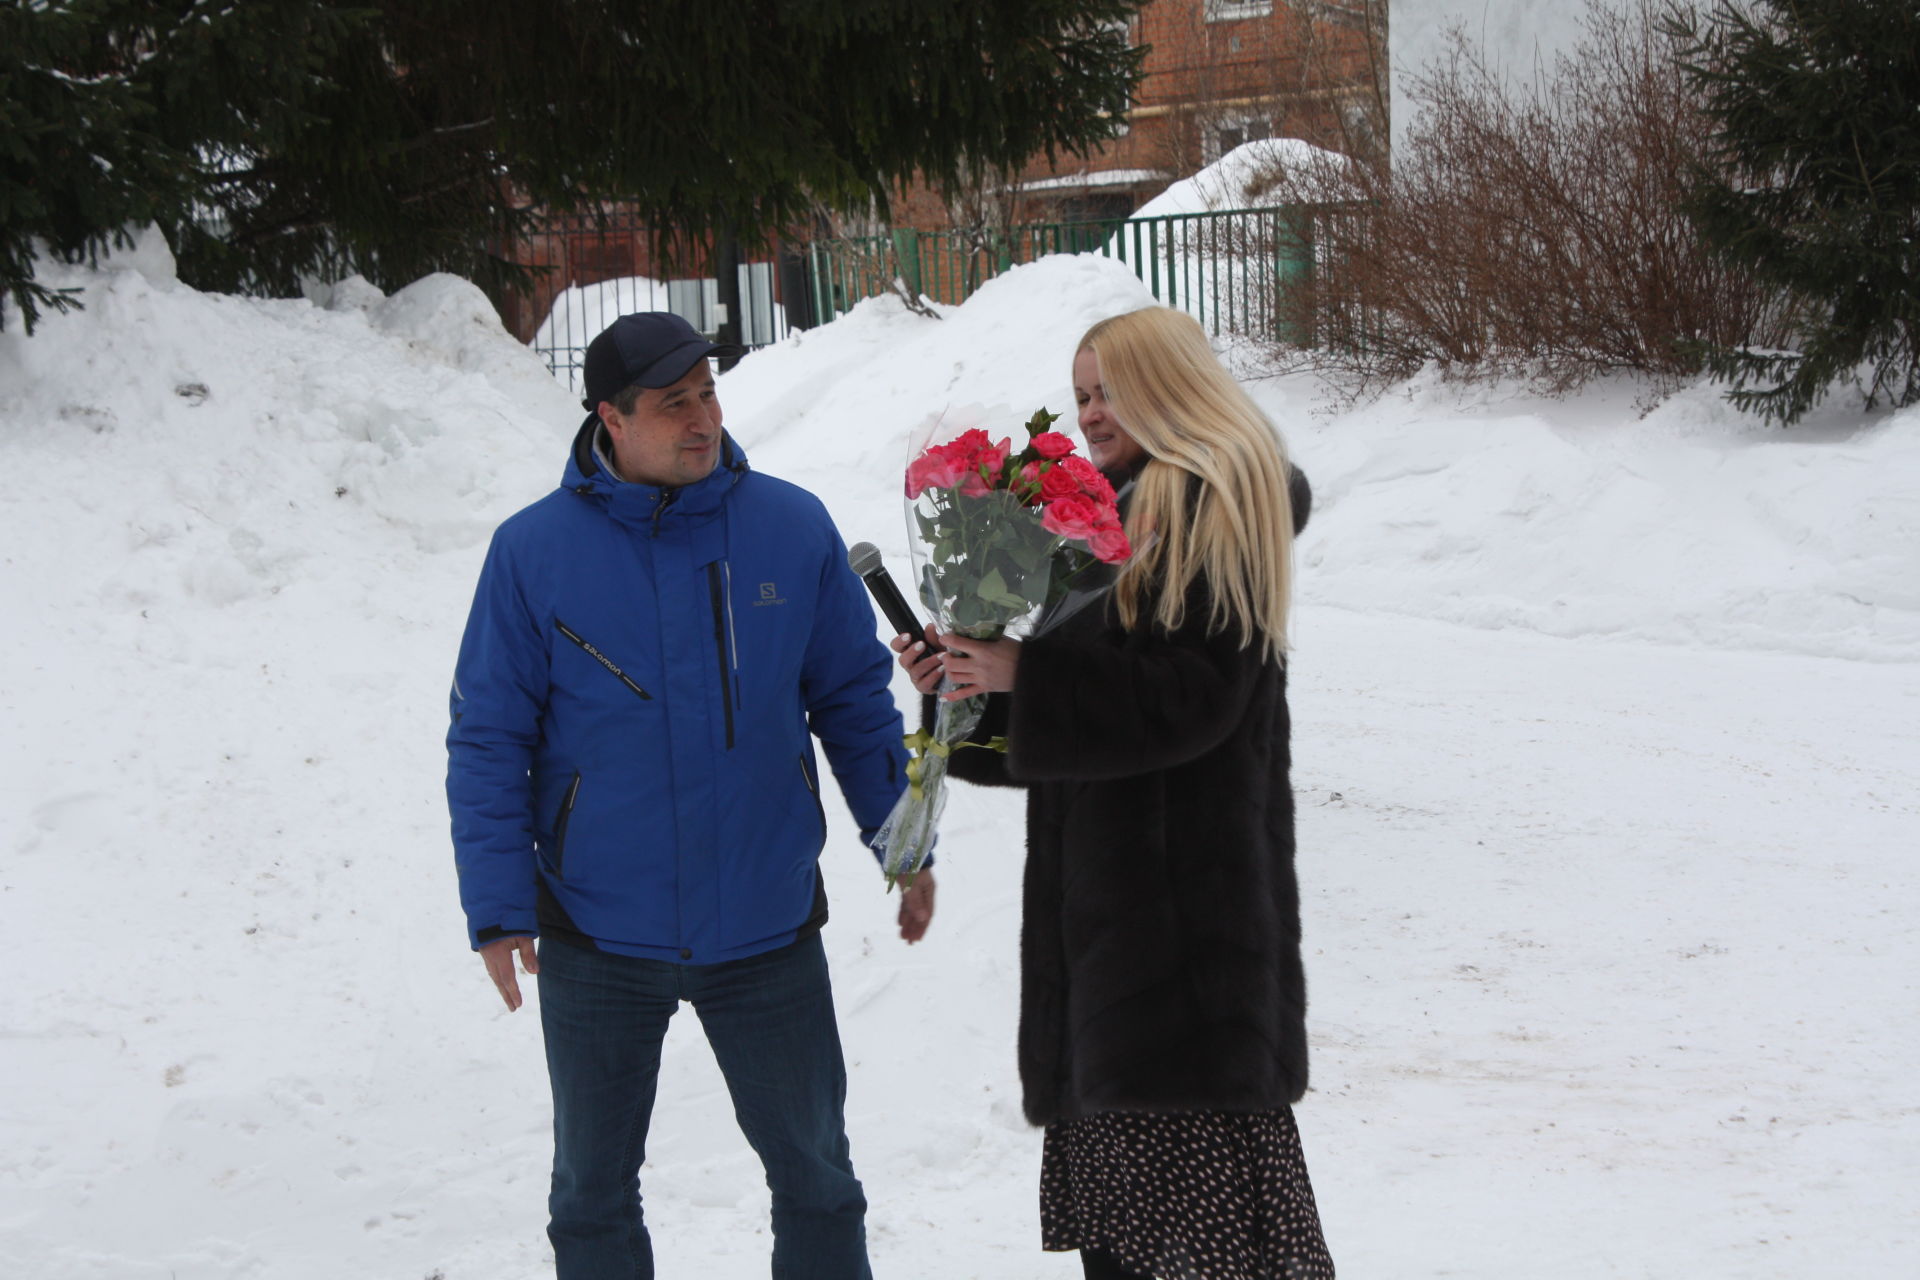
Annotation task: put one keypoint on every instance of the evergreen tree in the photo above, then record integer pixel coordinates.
(1815, 187)
(278, 139)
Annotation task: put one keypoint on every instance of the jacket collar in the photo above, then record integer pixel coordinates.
(647, 503)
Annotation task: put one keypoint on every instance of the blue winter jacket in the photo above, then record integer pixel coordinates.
(631, 761)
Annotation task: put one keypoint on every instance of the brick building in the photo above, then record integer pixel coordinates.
(1218, 73)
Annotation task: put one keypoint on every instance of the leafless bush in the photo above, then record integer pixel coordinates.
(1531, 233)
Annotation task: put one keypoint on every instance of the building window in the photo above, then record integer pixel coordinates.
(1233, 10)
(1352, 14)
(1222, 133)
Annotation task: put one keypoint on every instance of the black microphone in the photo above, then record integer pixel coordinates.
(864, 559)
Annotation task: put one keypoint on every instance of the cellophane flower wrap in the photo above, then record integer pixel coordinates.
(997, 533)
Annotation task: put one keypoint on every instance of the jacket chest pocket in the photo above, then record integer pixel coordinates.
(593, 651)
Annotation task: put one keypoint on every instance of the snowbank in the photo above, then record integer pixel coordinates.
(582, 310)
(1690, 525)
(1243, 178)
(238, 535)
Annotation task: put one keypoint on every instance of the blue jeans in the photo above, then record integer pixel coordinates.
(770, 1021)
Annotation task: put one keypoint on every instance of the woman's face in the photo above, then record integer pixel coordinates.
(1108, 446)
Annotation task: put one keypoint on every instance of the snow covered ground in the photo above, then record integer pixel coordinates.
(1605, 751)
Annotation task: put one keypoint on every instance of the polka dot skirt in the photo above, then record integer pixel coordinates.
(1206, 1195)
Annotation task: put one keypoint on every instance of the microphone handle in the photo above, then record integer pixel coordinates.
(894, 606)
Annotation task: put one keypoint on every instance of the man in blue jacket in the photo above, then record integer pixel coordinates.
(653, 648)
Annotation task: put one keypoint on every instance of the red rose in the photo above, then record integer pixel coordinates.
(1051, 445)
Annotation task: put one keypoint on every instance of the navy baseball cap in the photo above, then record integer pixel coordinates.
(648, 349)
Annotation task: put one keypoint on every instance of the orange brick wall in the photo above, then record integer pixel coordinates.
(1280, 65)
(1277, 65)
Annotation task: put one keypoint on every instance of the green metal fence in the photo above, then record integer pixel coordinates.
(1245, 271)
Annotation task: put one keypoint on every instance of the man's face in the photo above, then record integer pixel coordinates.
(672, 437)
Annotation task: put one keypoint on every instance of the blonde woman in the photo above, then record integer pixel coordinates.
(1162, 1028)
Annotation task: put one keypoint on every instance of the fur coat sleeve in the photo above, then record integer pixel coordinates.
(1135, 703)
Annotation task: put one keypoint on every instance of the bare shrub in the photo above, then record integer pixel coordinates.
(1532, 233)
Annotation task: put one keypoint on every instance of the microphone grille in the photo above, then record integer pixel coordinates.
(863, 558)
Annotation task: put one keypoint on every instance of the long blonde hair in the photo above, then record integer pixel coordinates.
(1235, 526)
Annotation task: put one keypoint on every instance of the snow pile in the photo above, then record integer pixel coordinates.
(1691, 525)
(581, 310)
(1578, 913)
(1243, 178)
(836, 405)
(240, 534)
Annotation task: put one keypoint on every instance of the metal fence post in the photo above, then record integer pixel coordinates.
(1293, 277)
(906, 251)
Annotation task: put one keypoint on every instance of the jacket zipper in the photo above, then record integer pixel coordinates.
(560, 824)
(601, 658)
(718, 595)
(733, 638)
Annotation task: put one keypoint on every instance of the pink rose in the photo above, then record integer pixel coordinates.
(967, 443)
(992, 458)
(984, 467)
(1057, 483)
(1051, 445)
(1109, 546)
(1091, 481)
(984, 464)
(1074, 516)
(934, 469)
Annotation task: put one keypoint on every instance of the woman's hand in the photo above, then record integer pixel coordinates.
(980, 666)
(919, 661)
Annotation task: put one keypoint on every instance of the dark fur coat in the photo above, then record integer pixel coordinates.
(1160, 941)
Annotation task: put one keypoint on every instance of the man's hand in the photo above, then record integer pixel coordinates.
(498, 956)
(916, 907)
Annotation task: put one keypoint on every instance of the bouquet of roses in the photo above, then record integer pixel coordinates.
(999, 535)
